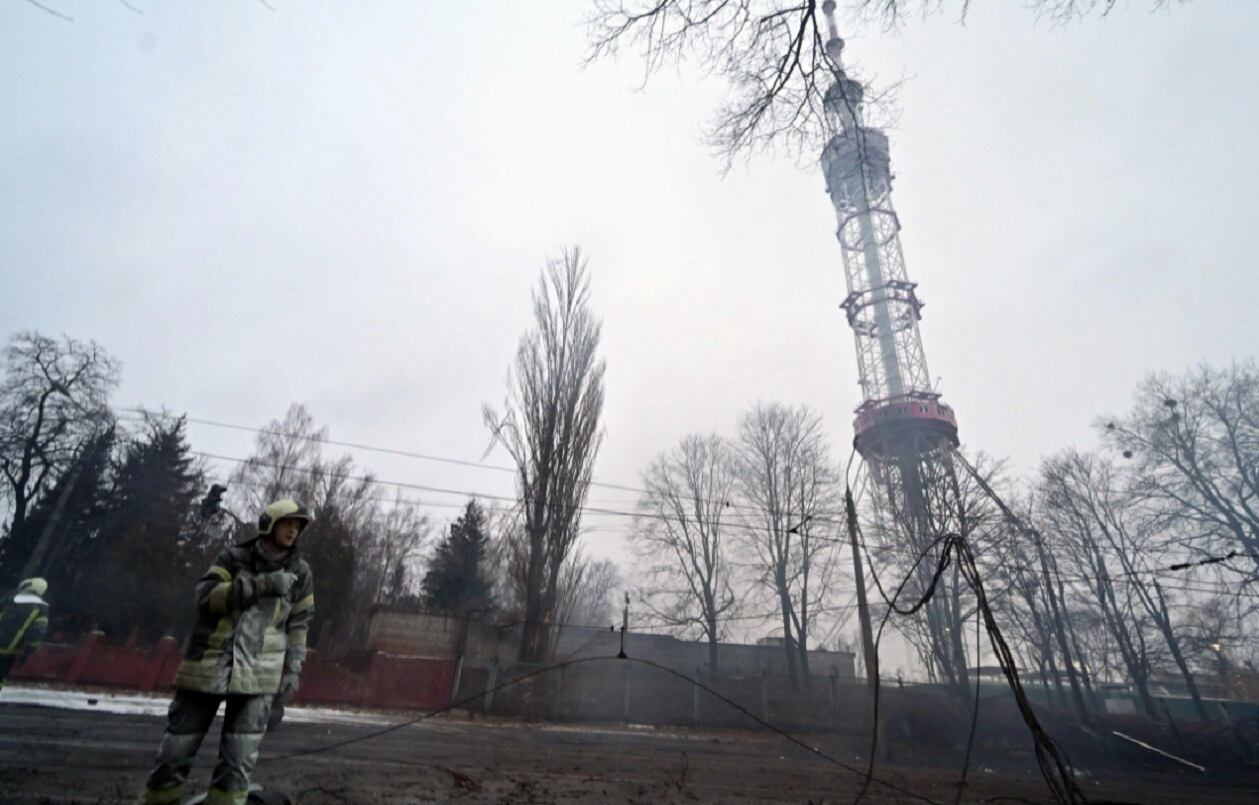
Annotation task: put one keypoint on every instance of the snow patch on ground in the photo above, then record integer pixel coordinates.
(156, 705)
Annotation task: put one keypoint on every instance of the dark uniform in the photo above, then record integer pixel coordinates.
(249, 643)
(23, 623)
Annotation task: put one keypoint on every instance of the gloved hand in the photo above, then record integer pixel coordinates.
(288, 687)
(275, 583)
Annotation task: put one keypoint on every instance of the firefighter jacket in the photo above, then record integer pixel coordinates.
(23, 622)
(245, 642)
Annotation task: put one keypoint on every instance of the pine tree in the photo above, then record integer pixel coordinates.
(143, 558)
(329, 547)
(457, 579)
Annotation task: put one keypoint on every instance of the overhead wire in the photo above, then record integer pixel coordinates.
(389, 451)
(578, 507)
(824, 517)
(587, 509)
(594, 510)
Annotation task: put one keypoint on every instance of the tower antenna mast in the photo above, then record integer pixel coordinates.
(903, 430)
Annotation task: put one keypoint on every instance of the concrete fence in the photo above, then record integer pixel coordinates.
(613, 691)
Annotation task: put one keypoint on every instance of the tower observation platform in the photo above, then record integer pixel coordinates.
(901, 416)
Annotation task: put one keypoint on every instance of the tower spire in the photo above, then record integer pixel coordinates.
(834, 45)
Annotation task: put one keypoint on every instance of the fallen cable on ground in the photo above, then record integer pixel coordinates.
(1158, 751)
(664, 669)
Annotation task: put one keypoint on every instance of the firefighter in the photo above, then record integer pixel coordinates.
(254, 606)
(23, 622)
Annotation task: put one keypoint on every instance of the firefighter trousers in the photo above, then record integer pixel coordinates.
(190, 717)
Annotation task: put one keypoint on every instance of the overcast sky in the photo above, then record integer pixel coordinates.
(347, 204)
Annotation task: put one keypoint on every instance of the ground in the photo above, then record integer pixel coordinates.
(59, 748)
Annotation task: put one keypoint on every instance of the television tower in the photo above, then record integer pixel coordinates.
(903, 430)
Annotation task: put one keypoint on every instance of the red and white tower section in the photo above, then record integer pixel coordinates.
(903, 431)
(900, 413)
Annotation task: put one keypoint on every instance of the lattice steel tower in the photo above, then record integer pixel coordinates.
(902, 429)
(899, 408)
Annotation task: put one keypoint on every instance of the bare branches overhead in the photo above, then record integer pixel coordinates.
(771, 53)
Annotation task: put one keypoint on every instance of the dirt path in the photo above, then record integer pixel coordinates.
(52, 755)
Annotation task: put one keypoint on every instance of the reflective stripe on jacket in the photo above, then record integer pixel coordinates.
(243, 642)
(23, 622)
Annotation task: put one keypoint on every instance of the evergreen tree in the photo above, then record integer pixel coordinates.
(143, 559)
(328, 545)
(457, 579)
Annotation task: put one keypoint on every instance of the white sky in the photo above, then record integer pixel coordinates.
(347, 204)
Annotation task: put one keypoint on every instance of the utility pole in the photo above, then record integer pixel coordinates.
(868, 650)
(624, 628)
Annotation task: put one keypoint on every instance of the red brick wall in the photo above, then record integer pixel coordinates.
(385, 681)
(408, 682)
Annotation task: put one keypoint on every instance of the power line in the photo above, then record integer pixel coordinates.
(594, 510)
(1213, 560)
(366, 447)
(1124, 576)
(600, 510)
(578, 507)
(822, 517)
(591, 509)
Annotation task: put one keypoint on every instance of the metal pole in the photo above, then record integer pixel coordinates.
(490, 685)
(868, 651)
(624, 628)
(695, 699)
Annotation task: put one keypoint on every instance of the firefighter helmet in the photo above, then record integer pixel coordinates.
(282, 510)
(34, 586)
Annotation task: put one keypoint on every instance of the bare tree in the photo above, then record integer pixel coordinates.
(1222, 634)
(288, 461)
(1125, 537)
(586, 591)
(508, 561)
(1194, 443)
(390, 553)
(583, 593)
(1041, 612)
(53, 399)
(1078, 510)
(786, 476)
(682, 534)
(551, 428)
